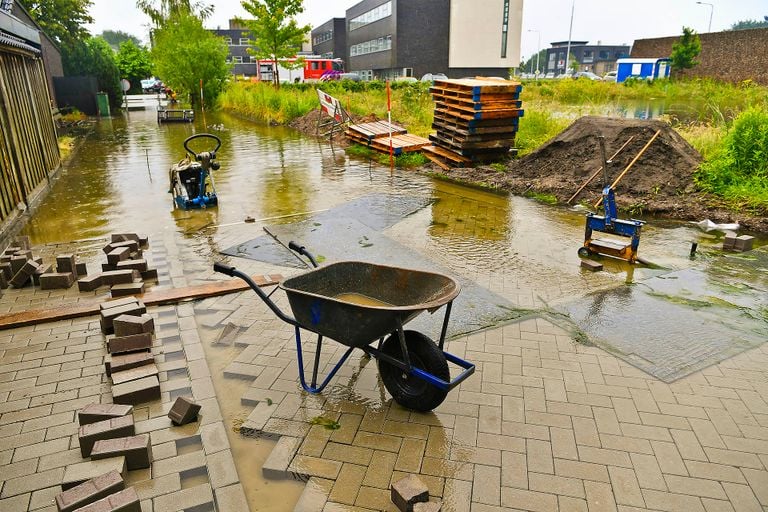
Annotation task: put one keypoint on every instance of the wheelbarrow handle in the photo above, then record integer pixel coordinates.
(300, 249)
(233, 272)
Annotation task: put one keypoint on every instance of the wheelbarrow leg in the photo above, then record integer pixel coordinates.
(299, 355)
(316, 365)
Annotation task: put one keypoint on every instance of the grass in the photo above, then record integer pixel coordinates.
(405, 160)
(66, 143)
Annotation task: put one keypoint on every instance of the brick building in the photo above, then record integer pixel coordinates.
(598, 58)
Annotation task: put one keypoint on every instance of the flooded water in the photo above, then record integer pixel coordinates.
(515, 247)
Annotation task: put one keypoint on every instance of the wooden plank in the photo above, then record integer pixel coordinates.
(446, 153)
(479, 85)
(153, 298)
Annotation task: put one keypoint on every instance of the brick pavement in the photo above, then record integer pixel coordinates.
(544, 424)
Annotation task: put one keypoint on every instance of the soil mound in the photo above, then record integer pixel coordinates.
(565, 162)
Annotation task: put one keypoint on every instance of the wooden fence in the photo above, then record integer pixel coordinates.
(29, 152)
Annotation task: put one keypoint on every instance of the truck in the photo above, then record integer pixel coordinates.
(315, 67)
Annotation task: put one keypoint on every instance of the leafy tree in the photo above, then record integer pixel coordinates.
(63, 20)
(184, 53)
(277, 34)
(134, 63)
(95, 57)
(116, 37)
(168, 9)
(747, 24)
(530, 65)
(685, 50)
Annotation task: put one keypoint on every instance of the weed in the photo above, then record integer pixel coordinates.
(541, 197)
(498, 167)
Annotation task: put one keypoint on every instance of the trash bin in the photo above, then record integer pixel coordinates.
(102, 101)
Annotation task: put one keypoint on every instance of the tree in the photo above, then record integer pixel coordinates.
(63, 20)
(277, 34)
(184, 53)
(95, 57)
(530, 65)
(685, 50)
(747, 24)
(116, 37)
(134, 63)
(168, 9)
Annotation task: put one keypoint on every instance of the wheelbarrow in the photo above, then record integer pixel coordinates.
(362, 304)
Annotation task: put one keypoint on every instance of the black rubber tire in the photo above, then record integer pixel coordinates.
(584, 252)
(407, 390)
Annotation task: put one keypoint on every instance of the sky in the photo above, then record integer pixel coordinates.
(607, 21)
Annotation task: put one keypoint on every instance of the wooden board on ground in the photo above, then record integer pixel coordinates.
(156, 298)
(446, 154)
(406, 143)
(375, 130)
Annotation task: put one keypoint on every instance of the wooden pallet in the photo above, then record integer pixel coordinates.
(478, 105)
(470, 149)
(463, 135)
(374, 130)
(470, 114)
(459, 129)
(479, 86)
(477, 125)
(469, 96)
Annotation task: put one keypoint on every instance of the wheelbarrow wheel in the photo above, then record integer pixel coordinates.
(408, 390)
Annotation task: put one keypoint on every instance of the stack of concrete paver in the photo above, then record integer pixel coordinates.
(733, 242)
(130, 363)
(126, 269)
(410, 494)
(19, 268)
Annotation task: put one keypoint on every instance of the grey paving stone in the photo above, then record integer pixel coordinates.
(137, 391)
(131, 374)
(122, 501)
(32, 482)
(231, 499)
(136, 449)
(76, 474)
(190, 498)
(112, 428)
(179, 463)
(90, 491)
(221, 469)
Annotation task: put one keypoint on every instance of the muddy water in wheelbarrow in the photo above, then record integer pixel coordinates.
(520, 249)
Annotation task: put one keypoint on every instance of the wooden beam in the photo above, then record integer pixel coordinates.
(156, 298)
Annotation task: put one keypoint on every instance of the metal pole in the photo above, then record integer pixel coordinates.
(538, 51)
(570, 31)
(711, 12)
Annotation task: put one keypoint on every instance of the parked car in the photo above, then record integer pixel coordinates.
(152, 85)
(586, 74)
(610, 76)
(406, 79)
(431, 77)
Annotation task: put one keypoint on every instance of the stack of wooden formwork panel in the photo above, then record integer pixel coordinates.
(475, 120)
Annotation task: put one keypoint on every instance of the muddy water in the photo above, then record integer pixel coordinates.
(521, 249)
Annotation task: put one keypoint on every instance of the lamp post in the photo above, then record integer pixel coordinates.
(538, 50)
(570, 31)
(711, 12)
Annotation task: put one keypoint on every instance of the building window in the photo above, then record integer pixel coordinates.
(620, 55)
(587, 57)
(228, 40)
(504, 29)
(603, 55)
(252, 58)
(374, 45)
(244, 41)
(375, 14)
(323, 37)
(237, 59)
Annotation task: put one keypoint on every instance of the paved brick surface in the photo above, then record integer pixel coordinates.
(544, 424)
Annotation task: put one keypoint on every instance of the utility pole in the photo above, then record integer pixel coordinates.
(538, 50)
(711, 12)
(570, 31)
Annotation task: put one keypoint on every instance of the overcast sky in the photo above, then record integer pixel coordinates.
(608, 21)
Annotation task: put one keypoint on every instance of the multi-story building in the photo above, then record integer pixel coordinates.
(238, 42)
(393, 38)
(329, 40)
(598, 58)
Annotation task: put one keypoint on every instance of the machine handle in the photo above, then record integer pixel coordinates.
(222, 268)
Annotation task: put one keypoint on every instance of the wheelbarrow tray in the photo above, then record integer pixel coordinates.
(356, 303)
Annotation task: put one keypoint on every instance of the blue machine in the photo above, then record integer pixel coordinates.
(649, 69)
(610, 223)
(191, 181)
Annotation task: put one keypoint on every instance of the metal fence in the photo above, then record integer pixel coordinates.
(29, 152)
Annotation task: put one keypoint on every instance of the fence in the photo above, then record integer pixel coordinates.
(29, 152)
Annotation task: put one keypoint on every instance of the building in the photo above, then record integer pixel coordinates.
(599, 58)
(329, 40)
(237, 38)
(394, 38)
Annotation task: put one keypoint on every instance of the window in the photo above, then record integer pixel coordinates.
(375, 14)
(237, 59)
(315, 65)
(323, 37)
(374, 45)
(228, 40)
(504, 28)
(243, 41)
(588, 56)
(252, 58)
(603, 55)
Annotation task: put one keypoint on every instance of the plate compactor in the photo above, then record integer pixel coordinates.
(610, 223)
(191, 182)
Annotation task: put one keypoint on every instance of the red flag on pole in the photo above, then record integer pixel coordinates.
(389, 122)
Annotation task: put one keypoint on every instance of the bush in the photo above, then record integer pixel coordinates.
(738, 171)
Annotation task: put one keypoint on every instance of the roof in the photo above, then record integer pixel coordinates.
(641, 61)
(15, 42)
(573, 43)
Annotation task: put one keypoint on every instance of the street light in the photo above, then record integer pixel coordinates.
(711, 12)
(570, 31)
(538, 50)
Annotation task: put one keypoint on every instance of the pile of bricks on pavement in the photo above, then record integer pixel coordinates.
(126, 269)
(19, 268)
(410, 494)
(107, 434)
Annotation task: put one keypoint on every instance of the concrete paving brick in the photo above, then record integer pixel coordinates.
(44, 499)
(669, 458)
(231, 499)
(18, 469)
(556, 485)
(303, 466)
(347, 484)
(90, 491)
(137, 450)
(221, 469)
(76, 474)
(121, 362)
(112, 428)
(158, 486)
(32, 482)
(56, 280)
(18, 503)
(539, 456)
(714, 471)
(563, 443)
(528, 500)
(378, 441)
(38, 450)
(214, 438)
(190, 498)
(582, 470)
(124, 501)
(315, 495)
(599, 497)
(131, 374)
(127, 344)
(137, 391)
(671, 502)
(179, 463)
